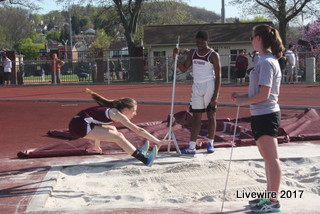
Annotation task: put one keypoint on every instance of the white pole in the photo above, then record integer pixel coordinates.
(234, 136)
(167, 69)
(229, 61)
(108, 69)
(170, 133)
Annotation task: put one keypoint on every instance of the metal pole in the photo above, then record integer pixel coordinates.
(71, 41)
(170, 133)
(229, 56)
(223, 12)
(108, 69)
(234, 136)
(167, 69)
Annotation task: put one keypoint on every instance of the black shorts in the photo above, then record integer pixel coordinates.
(266, 124)
(6, 76)
(208, 109)
(241, 73)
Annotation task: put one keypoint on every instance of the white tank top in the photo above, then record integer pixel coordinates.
(203, 69)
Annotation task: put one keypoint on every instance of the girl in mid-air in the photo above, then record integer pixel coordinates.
(95, 123)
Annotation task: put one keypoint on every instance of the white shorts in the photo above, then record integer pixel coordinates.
(201, 96)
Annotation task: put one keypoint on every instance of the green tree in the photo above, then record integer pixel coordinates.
(3, 42)
(38, 38)
(283, 11)
(28, 48)
(53, 35)
(16, 23)
(64, 34)
(128, 12)
(255, 19)
(107, 19)
(102, 40)
(84, 22)
(75, 24)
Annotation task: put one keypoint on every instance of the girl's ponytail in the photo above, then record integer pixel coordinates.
(100, 99)
(118, 104)
(270, 38)
(277, 47)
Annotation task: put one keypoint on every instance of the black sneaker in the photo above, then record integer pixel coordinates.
(266, 206)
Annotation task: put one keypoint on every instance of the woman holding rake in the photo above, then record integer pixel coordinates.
(264, 87)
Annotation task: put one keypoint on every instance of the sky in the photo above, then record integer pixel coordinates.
(210, 5)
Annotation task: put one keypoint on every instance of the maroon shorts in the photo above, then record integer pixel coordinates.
(78, 127)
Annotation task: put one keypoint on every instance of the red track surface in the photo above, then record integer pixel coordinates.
(24, 124)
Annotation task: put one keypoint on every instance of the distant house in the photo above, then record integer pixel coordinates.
(90, 31)
(227, 39)
(63, 51)
(118, 49)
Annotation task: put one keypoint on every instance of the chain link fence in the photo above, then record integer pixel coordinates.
(90, 68)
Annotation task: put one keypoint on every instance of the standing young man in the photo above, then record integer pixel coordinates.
(205, 89)
(291, 60)
(7, 65)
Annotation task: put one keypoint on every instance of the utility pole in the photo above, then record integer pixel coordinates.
(70, 28)
(223, 12)
(65, 50)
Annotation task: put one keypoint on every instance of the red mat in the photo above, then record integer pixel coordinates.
(305, 126)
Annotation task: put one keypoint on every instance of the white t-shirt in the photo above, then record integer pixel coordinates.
(266, 73)
(7, 65)
(291, 58)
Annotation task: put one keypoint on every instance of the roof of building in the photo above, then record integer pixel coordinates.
(218, 33)
(90, 31)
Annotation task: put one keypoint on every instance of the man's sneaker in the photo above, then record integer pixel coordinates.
(144, 149)
(151, 156)
(254, 202)
(210, 148)
(188, 151)
(266, 206)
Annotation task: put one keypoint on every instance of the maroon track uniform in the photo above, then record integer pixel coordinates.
(83, 122)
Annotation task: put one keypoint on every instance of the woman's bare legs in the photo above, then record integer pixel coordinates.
(268, 148)
(110, 133)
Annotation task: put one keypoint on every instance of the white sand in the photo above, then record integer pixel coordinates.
(184, 181)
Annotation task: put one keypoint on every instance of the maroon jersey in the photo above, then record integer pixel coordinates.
(83, 122)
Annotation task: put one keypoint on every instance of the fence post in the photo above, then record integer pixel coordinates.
(229, 62)
(310, 70)
(99, 63)
(54, 72)
(108, 70)
(167, 69)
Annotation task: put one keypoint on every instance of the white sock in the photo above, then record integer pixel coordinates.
(192, 145)
(211, 141)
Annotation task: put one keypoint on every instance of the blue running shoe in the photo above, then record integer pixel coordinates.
(254, 202)
(145, 148)
(188, 151)
(266, 206)
(151, 156)
(210, 148)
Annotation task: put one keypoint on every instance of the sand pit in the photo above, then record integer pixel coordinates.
(182, 181)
